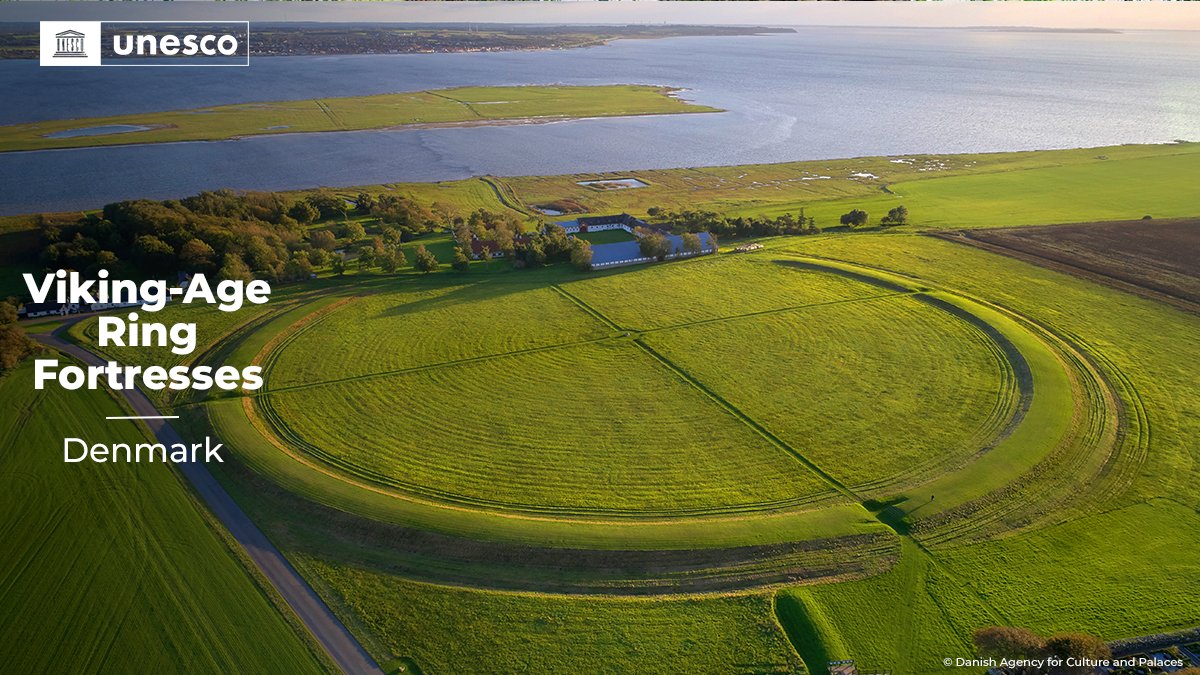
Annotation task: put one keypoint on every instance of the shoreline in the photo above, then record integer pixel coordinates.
(598, 173)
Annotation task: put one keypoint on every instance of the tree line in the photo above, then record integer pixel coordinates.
(737, 226)
(762, 226)
(237, 235)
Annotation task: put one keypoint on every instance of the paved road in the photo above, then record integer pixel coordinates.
(320, 621)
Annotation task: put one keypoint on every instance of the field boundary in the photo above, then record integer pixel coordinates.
(1075, 269)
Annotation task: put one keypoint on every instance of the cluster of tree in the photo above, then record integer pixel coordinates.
(859, 218)
(406, 215)
(741, 226)
(654, 244)
(14, 344)
(499, 230)
(1004, 642)
(382, 252)
(235, 235)
(855, 218)
(424, 261)
(549, 246)
(502, 233)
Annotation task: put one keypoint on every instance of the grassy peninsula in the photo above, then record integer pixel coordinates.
(464, 106)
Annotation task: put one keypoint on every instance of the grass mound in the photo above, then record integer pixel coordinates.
(868, 390)
(592, 428)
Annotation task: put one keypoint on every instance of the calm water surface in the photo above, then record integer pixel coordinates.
(820, 93)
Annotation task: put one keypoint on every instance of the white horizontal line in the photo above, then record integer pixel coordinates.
(144, 417)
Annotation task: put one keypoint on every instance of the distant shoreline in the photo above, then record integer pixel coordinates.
(321, 39)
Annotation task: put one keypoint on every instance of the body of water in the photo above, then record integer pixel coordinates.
(102, 130)
(819, 93)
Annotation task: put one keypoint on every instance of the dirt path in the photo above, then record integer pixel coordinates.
(341, 646)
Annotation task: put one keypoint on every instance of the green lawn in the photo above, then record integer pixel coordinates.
(1119, 574)
(872, 406)
(605, 236)
(366, 499)
(904, 621)
(595, 427)
(421, 324)
(940, 191)
(466, 105)
(648, 297)
(110, 567)
(1146, 347)
(456, 630)
(541, 406)
(553, 416)
(1093, 191)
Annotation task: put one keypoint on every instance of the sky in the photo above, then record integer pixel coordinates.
(950, 13)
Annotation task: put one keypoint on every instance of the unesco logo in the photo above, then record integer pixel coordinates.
(70, 45)
(145, 43)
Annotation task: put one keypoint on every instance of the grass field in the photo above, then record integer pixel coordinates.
(935, 597)
(863, 403)
(110, 567)
(605, 236)
(707, 289)
(940, 191)
(593, 428)
(1145, 346)
(426, 324)
(1128, 574)
(460, 630)
(462, 106)
(1023, 437)
(904, 621)
(1125, 577)
(576, 415)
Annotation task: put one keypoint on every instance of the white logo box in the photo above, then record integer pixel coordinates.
(77, 43)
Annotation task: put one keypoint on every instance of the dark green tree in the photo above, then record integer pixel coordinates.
(855, 218)
(14, 344)
(896, 216)
(581, 254)
(364, 202)
(326, 203)
(154, 255)
(425, 261)
(654, 245)
(234, 268)
(355, 231)
(196, 256)
(462, 262)
(303, 212)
